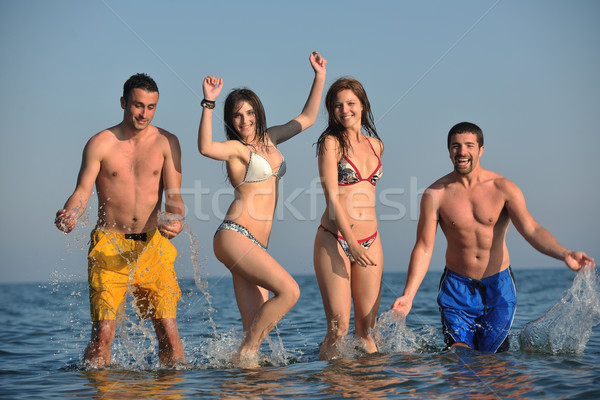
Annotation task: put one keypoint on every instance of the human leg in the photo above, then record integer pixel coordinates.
(459, 309)
(250, 298)
(332, 269)
(170, 348)
(109, 261)
(366, 294)
(255, 270)
(97, 353)
(501, 305)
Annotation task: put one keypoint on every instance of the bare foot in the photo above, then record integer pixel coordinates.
(246, 360)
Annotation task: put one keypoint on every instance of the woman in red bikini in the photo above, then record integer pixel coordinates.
(348, 257)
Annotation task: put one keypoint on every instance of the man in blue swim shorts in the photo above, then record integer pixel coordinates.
(474, 206)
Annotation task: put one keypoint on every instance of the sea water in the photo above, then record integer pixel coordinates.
(555, 346)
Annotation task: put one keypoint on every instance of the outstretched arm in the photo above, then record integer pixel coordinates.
(66, 217)
(534, 233)
(421, 254)
(308, 116)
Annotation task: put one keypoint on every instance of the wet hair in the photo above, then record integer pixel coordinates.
(466, 127)
(233, 104)
(138, 81)
(334, 128)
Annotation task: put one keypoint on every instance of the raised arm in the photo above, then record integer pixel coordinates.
(66, 217)
(534, 233)
(221, 151)
(172, 187)
(310, 111)
(421, 254)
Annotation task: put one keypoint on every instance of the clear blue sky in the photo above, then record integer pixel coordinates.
(525, 71)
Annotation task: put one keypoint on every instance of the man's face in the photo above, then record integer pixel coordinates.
(139, 108)
(465, 152)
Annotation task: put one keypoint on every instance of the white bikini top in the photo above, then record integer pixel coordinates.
(260, 170)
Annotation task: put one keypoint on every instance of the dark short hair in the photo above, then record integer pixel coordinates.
(232, 105)
(139, 81)
(466, 127)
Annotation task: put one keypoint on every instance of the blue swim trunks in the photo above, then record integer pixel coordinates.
(478, 313)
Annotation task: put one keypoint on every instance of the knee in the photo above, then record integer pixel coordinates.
(289, 293)
(293, 293)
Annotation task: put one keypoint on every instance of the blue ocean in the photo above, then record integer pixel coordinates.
(554, 354)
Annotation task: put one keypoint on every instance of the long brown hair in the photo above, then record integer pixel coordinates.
(334, 128)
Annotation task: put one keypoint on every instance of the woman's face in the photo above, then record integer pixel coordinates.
(244, 120)
(347, 109)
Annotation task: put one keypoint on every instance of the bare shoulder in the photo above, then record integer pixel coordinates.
(163, 134)
(102, 142)
(441, 184)
(377, 144)
(502, 183)
(330, 144)
(436, 190)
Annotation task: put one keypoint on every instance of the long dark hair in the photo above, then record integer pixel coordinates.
(334, 128)
(233, 103)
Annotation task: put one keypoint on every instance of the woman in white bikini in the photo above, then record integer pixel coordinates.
(254, 166)
(348, 257)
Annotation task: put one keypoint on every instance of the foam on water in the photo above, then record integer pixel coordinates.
(567, 326)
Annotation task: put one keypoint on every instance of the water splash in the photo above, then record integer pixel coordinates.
(394, 336)
(567, 326)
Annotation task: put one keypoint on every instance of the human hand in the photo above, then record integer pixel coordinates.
(318, 63)
(402, 305)
(169, 224)
(576, 260)
(360, 255)
(212, 87)
(65, 220)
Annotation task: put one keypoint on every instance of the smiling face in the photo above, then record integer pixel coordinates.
(244, 120)
(347, 109)
(139, 108)
(465, 152)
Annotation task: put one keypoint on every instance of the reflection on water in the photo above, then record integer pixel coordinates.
(128, 384)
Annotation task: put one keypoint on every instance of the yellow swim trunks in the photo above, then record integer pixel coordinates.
(140, 264)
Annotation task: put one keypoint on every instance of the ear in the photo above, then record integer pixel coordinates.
(481, 151)
(123, 103)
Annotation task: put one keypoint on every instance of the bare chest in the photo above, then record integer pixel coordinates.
(469, 209)
(131, 163)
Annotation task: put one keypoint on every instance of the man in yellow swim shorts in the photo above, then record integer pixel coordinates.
(131, 164)
(142, 263)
